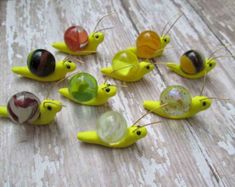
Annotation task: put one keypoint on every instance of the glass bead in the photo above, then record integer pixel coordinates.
(111, 127)
(41, 62)
(83, 87)
(178, 100)
(192, 62)
(76, 38)
(148, 43)
(23, 107)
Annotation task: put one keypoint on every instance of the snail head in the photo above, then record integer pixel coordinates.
(108, 89)
(68, 65)
(146, 67)
(201, 103)
(165, 39)
(51, 106)
(210, 64)
(96, 38)
(138, 132)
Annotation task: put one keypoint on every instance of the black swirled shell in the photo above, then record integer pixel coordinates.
(192, 62)
(41, 62)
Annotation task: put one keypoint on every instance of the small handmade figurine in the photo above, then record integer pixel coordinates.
(112, 131)
(176, 103)
(41, 66)
(150, 45)
(192, 65)
(83, 89)
(126, 67)
(25, 107)
(77, 42)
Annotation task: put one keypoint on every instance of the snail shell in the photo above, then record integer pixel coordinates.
(147, 43)
(83, 87)
(177, 98)
(191, 62)
(23, 107)
(41, 62)
(111, 127)
(76, 38)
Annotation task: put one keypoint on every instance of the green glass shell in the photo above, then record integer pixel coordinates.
(83, 87)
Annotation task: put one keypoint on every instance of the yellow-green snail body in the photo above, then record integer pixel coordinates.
(42, 66)
(112, 131)
(192, 65)
(24, 107)
(176, 103)
(84, 89)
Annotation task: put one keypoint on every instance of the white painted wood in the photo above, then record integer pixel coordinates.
(195, 152)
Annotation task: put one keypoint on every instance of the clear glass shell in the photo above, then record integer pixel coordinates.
(111, 127)
(178, 100)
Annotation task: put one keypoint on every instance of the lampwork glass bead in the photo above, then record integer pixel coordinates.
(23, 107)
(111, 127)
(178, 100)
(192, 62)
(76, 38)
(41, 62)
(148, 43)
(83, 87)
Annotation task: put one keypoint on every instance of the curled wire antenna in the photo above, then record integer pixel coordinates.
(172, 25)
(97, 24)
(138, 120)
(168, 22)
(220, 47)
(204, 83)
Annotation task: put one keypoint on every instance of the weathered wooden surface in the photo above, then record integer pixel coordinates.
(195, 152)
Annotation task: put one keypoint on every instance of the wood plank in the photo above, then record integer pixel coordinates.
(182, 153)
(192, 30)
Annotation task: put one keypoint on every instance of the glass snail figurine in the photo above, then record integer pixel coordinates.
(24, 107)
(126, 67)
(41, 66)
(176, 103)
(192, 65)
(150, 45)
(84, 89)
(112, 131)
(78, 42)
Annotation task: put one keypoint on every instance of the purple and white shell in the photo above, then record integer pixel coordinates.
(23, 107)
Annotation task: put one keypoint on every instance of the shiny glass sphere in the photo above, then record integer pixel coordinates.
(76, 38)
(178, 100)
(41, 62)
(147, 43)
(83, 87)
(192, 62)
(23, 107)
(111, 127)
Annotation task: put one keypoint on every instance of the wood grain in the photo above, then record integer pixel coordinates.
(195, 152)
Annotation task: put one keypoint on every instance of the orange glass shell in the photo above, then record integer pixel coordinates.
(148, 43)
(76, 38)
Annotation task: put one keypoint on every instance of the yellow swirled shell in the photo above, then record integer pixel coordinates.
(147, 44)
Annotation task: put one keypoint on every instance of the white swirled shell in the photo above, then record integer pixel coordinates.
(23, 107)
(111, 127)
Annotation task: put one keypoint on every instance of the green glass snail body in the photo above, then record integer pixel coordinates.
(176, 103)
(192, 65)
(112, 132)
(42, 66)
(84, 89)
(26, 108)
